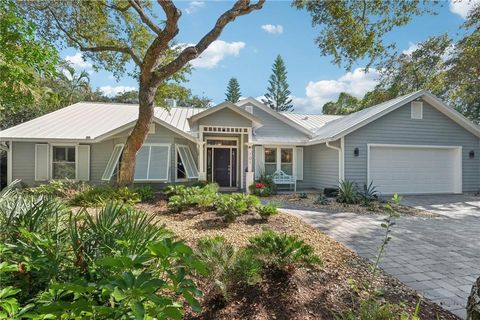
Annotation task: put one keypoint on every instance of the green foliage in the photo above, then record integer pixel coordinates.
(146, 193)
(231, 207)
(233, 93)
(372, 309)
(181, 197)
(322, 200)
(347, 193)
(251, 200)
(282, 251)
(303, 195)
(99, 195)
(228, 267)
(368, 194)
(263, 187)
(113, 264)
(278, 96)
(353, 30)
(268, 210)
(345, 104)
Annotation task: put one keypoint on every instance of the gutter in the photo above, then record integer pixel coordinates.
(340, 158)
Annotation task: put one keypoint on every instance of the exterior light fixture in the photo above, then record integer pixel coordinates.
(356, 152)
(471, 154)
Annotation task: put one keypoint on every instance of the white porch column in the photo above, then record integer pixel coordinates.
(201, 161)
(250, 175)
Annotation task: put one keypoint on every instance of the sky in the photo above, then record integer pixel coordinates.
(248, 46)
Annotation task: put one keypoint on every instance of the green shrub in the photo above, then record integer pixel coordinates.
(263, 187)
(322, 200)
(59, 188)
(99, 195)
(368, 194)
(230, 207)
(348, 193)
(228, 268)
(182, 197)
(146, 193)
(251, 200)
(371, 309)
(282, 252)
(303, 195)
(268, 210)
(174, 190)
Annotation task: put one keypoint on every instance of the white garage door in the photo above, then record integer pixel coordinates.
(415, 169)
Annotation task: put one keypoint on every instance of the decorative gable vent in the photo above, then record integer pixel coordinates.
(249, 109)
(417, 110)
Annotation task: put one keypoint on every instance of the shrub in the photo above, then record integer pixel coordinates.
(322, 200)
(231, 207)
(330, 192)
(268, 210)
(282, 252)
(347, 193)
(228, 268)
(303, 195)
(99, 195)
(368, 194)
(174, 190)
(146, 193)
(182, 197)
(263, 187)
(250, 200)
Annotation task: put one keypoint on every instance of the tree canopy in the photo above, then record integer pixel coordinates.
(278, 96)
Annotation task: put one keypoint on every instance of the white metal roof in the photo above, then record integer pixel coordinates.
(312, 122)
(90, 121)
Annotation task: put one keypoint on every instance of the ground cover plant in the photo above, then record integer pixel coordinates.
(115, 263)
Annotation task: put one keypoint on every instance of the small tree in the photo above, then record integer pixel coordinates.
(233, 91)
(278, 94)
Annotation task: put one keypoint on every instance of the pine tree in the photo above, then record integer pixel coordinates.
(233, 91)
(278, 94)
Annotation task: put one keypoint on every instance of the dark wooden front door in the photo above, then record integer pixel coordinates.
(221, 166)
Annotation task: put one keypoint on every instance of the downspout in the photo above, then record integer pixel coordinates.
(340, 158)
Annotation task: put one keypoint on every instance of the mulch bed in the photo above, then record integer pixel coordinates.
(376, 207)
(321, 293)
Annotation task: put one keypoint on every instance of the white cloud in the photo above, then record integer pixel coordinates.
(77, 61)
(411, 47)
(110, 91)
(194, 6)
(216, 52)
(462, 7)
(356, 83)
(273, 29)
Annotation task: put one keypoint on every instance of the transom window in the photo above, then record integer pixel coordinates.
(63, 162)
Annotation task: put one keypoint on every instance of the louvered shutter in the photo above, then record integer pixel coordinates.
(259, 161)
(159, 163)
(142, 163)
(112, 162)
(188, 161)
(83, 162)
(299, 163)
(42, 162)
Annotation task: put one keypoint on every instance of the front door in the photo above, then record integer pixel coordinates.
(222, 166)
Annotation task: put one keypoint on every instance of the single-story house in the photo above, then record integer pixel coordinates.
(414, 144)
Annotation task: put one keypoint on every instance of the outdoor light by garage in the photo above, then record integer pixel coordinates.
(471, 154)
(356, 152)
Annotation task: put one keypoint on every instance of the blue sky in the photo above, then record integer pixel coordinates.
(247, 47)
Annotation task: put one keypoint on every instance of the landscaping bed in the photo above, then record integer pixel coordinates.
(374, 207)
(322, 292)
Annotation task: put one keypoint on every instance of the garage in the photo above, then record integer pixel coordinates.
(414, 169)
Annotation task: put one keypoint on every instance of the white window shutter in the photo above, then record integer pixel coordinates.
(42, 162)
(259, 161)
(83, 162)
(112, 162)
(142, 163)
(188, 161)
(159, 163)
(299, 163)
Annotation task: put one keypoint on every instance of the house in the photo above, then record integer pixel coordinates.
(413, 144)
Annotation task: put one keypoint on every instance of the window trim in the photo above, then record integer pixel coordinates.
(177, 157)
(64, 145)
(168, 145)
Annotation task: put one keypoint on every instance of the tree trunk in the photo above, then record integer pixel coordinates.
(473, 304)
(139, 133)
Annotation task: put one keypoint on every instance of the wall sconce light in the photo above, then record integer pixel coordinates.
(356, 152)
(471, 154)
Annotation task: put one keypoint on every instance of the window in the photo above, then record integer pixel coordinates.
(287, 161)
(63, 162)
(417, 110)
(186, 167)
(152, 163)
(270, 161)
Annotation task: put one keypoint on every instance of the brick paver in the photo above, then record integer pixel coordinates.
(439, 257)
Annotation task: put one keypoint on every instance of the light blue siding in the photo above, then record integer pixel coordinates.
(225, 117)
(322, 167)
(397, 127)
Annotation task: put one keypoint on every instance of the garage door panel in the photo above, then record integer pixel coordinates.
(406, 170)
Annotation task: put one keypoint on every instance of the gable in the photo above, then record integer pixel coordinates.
(398, 126)
(225, 117)
(273, 127)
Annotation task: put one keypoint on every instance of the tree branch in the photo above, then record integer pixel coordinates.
(99, 48)
(240, 8)
(135, 4)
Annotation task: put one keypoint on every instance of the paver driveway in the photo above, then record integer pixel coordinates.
(439, 257)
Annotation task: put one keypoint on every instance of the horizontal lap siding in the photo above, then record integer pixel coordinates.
(323, 169)
(225, 117)
(397, 127)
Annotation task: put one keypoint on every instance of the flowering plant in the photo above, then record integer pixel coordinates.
(260, 185)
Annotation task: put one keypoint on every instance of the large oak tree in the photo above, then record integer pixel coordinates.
(113, 33)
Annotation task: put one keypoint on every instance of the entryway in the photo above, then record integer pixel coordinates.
(222, 161)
